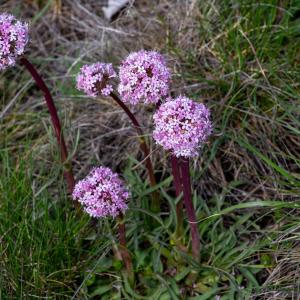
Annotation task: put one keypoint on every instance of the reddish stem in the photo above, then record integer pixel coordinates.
(144, 148)
(178, 189)
(55, 121)
(188, 203)
(123, 249)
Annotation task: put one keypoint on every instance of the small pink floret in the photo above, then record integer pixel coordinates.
(94, 79)
(102, 193)
(182, 126)
(144, 77)
(13, 39)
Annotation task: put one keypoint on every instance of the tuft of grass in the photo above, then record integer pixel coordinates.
(44, 245)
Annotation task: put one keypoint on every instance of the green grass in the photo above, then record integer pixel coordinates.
(48, 251)
(44, 245)
(245, 56)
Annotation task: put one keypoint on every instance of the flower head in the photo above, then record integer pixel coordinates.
(145, 77)
(93, 79)
(101, 193)
(13, 39)
(182, 126)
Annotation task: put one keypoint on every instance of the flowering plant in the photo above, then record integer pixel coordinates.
(181, 127)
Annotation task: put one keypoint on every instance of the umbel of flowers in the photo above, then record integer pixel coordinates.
(144, 77)
(94, 79)
(182, 126)
(102, 193)
(13, 39)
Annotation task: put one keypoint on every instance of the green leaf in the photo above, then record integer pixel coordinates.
(101, 290)
(249, 276)
(156, 262)
(255, 204)
(163, 183)
(206, 296)
(182, 274)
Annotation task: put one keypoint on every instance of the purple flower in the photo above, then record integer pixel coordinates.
(93, 79)
(13, 39)
(101, 193)
(144, 76)
(182, 126)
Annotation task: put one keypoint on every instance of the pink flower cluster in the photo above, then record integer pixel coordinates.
(182, 126)
(13, 39)
(145, 77)
(101, 193)
(93, 79)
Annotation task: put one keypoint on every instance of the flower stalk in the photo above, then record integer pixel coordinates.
(188, 203)
(55, 121)
(155, 205)
(125, 255)
(175, 163)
